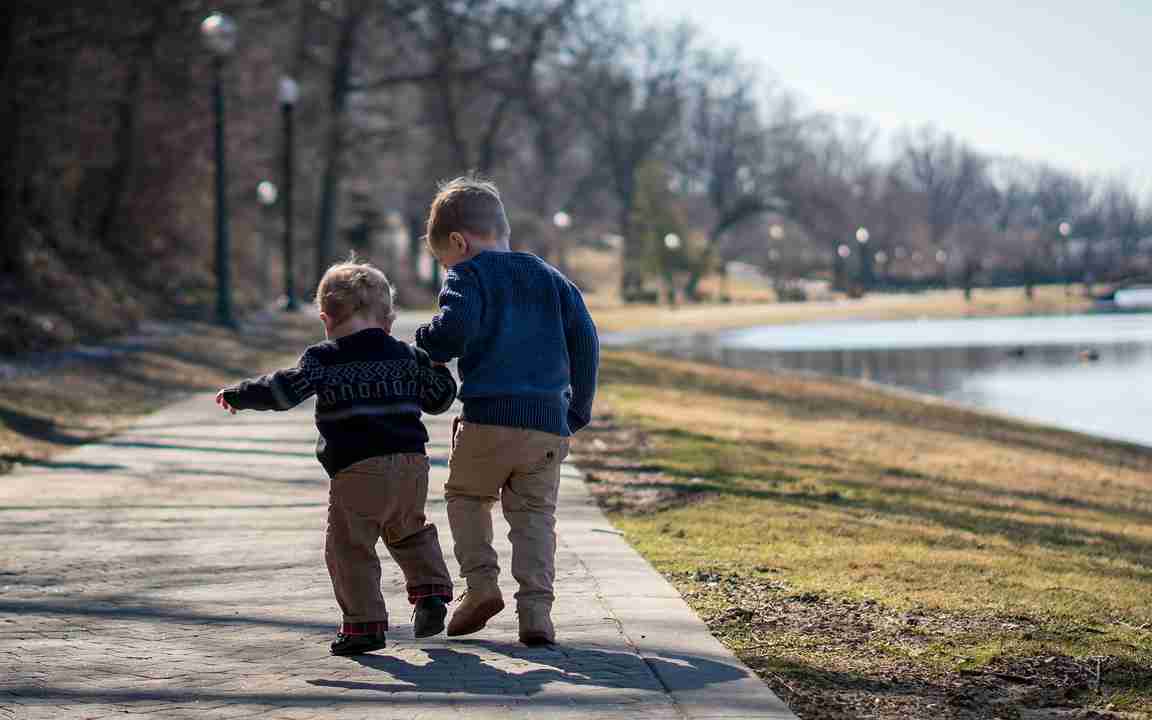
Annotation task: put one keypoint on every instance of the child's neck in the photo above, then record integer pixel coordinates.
(355, 324)
(479, 244)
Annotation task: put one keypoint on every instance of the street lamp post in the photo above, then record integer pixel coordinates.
(562, 221)
(289, 94)
(1065, 230)
(843, 252)
(862, 237)
(672, 244)
(266, 194)
(942, 261)
(219, 34)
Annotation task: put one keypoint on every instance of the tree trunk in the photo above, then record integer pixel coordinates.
(630, 279)
(127, 116)
(705, 266)
(11, 249)
(838, 271)
(334, 143)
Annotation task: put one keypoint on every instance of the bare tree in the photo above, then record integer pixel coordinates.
(728, 151)
(949, 176)
(630, 102)
(1123, 221)
(824, 193)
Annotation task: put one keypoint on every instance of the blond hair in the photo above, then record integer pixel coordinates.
(467, 204)
(352, 286)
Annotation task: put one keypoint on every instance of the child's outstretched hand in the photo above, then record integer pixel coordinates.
(224, 403)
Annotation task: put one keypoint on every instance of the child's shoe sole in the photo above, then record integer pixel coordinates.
(357, 644)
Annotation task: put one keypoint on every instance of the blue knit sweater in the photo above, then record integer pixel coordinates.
(527, 346)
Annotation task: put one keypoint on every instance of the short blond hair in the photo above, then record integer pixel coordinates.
(352, 286)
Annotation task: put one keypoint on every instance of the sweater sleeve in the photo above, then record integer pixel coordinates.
(279, 390)
(437, 386)
(461, 308)
(583, 358)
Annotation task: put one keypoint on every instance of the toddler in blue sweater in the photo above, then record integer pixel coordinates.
(528, 356)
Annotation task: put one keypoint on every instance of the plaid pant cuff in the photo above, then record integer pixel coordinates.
(417, 593)
(363, 628)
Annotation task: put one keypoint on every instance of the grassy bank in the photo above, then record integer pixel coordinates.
(1048, 300)
(52, 402)
(875, 555)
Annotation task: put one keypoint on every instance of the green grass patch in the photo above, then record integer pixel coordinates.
(852, 544)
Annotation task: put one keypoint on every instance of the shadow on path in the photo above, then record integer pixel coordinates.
(452, 671)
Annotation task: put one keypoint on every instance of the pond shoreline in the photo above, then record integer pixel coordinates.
(1065, 371)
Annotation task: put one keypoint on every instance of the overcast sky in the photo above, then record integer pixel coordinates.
(1065, 82)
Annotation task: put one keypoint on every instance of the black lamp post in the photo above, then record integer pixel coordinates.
(266, 194)
(562, 221)
(289, 94)
(866, 269)
(219, 34)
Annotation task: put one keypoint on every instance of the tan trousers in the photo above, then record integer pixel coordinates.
(521, 469)
(382, 498)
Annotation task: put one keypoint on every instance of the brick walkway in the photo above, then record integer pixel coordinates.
(176, 571)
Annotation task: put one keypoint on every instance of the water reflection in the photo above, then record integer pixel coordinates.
(1090, 384)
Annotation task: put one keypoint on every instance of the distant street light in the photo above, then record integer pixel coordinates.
(843, 251)
(942, 260)
(862, 236)
(289, 95)
(219, 34)
(1065, 229)
(776, 232)
(267, 193)
(672, 241)
(562, 221)
(881, 257)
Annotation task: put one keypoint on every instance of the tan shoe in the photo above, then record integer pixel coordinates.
(536, 625)
(476, 608)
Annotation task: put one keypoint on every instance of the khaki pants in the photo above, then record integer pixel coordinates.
(521, 469)
(382, 498)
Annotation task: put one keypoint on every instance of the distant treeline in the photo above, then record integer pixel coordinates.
(635, 131)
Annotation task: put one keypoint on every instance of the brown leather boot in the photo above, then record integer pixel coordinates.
(476, 608)
(536, 625)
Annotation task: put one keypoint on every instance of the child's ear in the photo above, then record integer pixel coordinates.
(459, 242)
(326, 319)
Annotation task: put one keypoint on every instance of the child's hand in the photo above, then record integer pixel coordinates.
(224, 403)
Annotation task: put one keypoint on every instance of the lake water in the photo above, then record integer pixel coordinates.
(1091, 373)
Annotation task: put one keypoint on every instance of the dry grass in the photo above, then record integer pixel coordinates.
(57, 402)
(855, 545)
(1049, 300)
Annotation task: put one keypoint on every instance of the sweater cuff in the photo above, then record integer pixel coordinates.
(422, 343)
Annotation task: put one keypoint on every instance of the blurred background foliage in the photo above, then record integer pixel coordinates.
(631, 130)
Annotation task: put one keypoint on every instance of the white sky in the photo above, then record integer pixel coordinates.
(1065, 82)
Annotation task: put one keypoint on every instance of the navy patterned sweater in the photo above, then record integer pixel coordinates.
(527, 346)
(370, 389)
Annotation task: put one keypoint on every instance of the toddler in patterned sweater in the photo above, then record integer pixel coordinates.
(370, 391)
